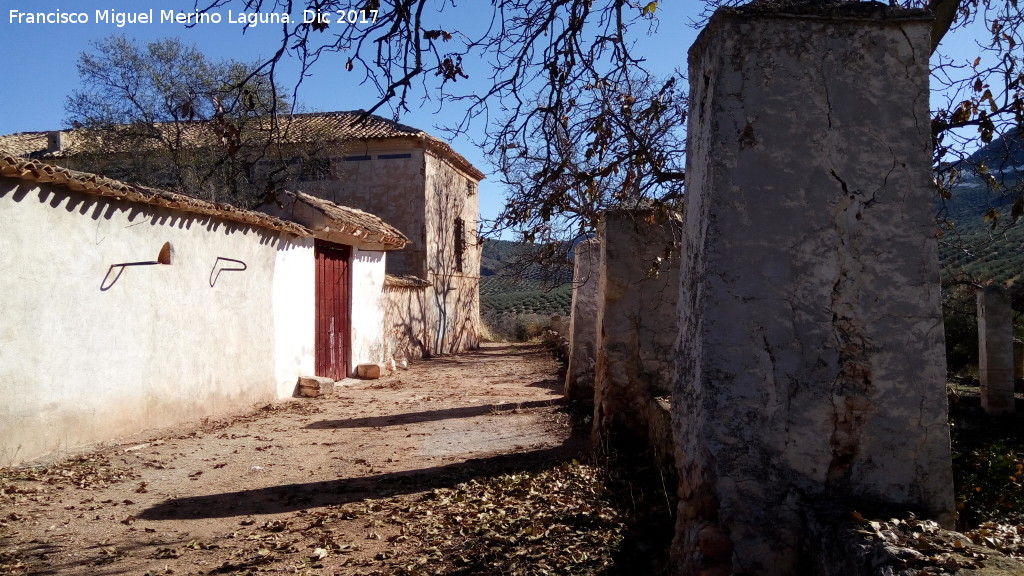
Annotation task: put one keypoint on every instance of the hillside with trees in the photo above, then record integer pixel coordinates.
(981, 241)
(520, 288)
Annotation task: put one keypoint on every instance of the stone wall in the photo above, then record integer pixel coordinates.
(579, 377)
(405, 321)
(638, 326)
(453, 256)
(811, 365)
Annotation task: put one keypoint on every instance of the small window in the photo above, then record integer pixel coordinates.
(460, 243)
(393, 156)
(356, 158)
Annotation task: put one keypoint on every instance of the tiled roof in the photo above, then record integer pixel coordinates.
(36, 171)
(351, 126)
(352, 222)
(295, 128)
(24, 144)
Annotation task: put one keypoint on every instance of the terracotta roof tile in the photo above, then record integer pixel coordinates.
(41, 172)
(296, 128)
(24, 143)
(352, 222)
(353, 125)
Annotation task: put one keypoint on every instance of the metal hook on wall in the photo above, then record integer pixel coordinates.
(164, 257)
(120, 268)
(215, 272)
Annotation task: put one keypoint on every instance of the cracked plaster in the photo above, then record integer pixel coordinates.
(811, 363)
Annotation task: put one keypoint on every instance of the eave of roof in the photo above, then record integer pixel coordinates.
(362, 227)
(41, 172)
(443, 149)
(357, 125)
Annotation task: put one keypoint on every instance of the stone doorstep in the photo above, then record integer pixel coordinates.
(313, 386)
(369, 371)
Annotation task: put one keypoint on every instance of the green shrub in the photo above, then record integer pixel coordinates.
(514, 326)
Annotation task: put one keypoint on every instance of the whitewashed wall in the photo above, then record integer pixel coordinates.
(85, 359)
(368, 307)
(637, 325)
(406, 330)
(294, 313)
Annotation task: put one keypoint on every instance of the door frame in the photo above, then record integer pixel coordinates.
(333, 325)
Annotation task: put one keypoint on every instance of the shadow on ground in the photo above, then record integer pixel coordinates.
(294, 497)
(432, 415)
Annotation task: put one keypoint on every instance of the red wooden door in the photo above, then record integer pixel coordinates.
(333, 306)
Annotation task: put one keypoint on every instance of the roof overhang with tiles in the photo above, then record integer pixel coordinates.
(334, 223)
(37, 172)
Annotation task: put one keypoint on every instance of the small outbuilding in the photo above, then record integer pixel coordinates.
(129, 308)
(349, 247)
(415, 181)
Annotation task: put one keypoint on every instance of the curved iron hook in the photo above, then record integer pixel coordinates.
(213, 277)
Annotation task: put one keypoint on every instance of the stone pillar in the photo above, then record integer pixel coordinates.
(1018, 361)
(638, 324)
(995, 350)
(579, 376)
(811, 365)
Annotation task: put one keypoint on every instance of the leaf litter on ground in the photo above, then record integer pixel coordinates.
(555, 521)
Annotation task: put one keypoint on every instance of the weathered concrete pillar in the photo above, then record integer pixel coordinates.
(579, 376)
(638, 327)
(995, 350)
(811, 365)
(1018, 361)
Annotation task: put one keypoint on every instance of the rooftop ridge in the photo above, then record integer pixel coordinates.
(351, 125)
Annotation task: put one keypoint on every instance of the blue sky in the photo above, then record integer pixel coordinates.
(40, 71)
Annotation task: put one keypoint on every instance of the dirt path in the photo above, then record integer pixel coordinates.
(252, 493)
